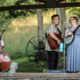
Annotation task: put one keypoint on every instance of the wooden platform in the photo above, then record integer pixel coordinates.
(40, 76)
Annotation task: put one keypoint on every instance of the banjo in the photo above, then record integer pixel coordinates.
(70, 38)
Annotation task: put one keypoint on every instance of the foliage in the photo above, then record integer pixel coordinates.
(18, 13)
(30, 67)
(14, 14)
(4, 21)
(74, 10)
(72, 1)
(4, 17)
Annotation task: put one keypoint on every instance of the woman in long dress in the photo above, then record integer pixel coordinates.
(73, 50)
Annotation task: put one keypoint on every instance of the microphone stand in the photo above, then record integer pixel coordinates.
(64, 50)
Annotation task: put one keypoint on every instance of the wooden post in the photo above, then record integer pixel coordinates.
(40, 25)
(61, 13)
(41, 46)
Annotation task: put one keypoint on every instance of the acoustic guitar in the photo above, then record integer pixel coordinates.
(52, 42)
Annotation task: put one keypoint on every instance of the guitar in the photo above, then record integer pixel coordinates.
(52, 42)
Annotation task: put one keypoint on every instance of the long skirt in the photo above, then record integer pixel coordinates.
(73, 55)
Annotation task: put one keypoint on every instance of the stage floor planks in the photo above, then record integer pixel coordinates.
(40, 76)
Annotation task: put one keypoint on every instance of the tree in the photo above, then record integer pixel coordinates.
(75, 10)
(17, 13)
(4, 17)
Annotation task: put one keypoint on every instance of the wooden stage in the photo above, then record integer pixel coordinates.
(40, 76)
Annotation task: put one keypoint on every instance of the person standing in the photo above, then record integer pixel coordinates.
(73, 50)
(53, 53)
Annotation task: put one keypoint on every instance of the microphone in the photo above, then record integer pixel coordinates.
(65, 25)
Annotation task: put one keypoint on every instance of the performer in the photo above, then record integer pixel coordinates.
(53, 53)
(73, 50)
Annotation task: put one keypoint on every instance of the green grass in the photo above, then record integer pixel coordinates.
(30, 67)
(20, 60)
(25, 66)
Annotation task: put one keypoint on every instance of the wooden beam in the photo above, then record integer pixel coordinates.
(44, 1)
(4, 8)
(62, 5)
(58, 1)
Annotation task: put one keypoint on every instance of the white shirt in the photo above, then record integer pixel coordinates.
(1, 43)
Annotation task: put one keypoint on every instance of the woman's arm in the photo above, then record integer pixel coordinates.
(67, 33)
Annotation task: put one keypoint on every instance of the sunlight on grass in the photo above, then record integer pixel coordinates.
(30, 21)
(27, 21)
(20, 60)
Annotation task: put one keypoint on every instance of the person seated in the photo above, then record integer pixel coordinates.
(1, 45)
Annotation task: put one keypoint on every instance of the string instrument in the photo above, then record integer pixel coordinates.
(70, 38)
(52, 42)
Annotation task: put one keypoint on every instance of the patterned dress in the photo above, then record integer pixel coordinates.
(73, 53)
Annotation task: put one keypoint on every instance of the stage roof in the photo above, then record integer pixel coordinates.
(43, 4)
